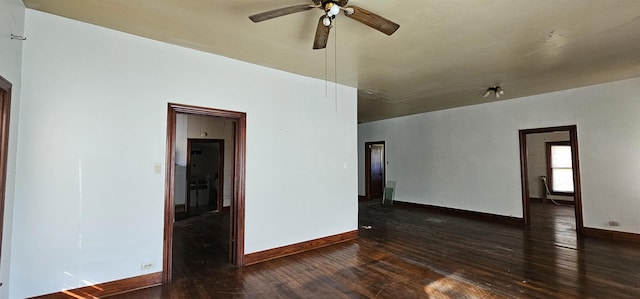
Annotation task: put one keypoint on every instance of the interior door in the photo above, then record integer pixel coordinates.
(205, 167)
(377, 171)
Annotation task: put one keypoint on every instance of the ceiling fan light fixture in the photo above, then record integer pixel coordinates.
(497, 91)
(326, 21)
(335, 9)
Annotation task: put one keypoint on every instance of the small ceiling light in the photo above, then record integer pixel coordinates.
(497, 91)
(335, 9)
(326, 21)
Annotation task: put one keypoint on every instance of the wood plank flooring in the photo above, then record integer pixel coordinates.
(411, 253)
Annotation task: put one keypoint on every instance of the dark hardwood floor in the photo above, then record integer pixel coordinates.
(410, 253)
(201, 244)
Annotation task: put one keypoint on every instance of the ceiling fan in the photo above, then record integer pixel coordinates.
(331, 8)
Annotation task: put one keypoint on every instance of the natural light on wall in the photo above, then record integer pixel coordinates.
(561, 169)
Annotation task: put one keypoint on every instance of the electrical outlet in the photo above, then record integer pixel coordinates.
(146, 266)
(157, 168)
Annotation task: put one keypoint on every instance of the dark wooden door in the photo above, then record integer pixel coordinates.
(377, 171)
(205, 174)
(374, 169)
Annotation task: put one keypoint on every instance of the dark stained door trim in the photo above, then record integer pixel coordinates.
(367, 167)
(524, 176)
(5, 112)
(220, 186)
(237, 204)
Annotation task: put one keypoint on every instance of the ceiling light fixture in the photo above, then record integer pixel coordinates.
(497, 91)
(327, 21)
(332, 9)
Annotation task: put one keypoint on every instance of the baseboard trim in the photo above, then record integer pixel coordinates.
(362, 198)
(106, 289)
(261, 256)
(610, 234)
(458, 212)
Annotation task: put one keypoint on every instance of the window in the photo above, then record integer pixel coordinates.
(560, 168)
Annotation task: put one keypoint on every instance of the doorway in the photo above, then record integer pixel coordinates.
(204, 177)
(237, 178)
(375, 172)
(567, 171)
(5, 111)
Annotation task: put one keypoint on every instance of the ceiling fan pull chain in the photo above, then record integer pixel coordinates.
(335, 64)
(326, 75)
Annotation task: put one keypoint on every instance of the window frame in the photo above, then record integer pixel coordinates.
(549, 145)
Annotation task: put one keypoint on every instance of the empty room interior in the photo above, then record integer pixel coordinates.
(319, 149)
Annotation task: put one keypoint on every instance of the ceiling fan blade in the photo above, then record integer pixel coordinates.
(372, 20)
(322, 35)
(267, 15)
(342, 3)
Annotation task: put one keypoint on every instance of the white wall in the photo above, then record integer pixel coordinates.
(537, 162)
(93, 123)
(11, 21)
(468, 157)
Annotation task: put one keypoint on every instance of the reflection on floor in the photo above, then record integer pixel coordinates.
(411, 253)
(200, 243)
(554, 222)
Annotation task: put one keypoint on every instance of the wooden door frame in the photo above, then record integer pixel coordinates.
(367, 167)
(220, 185)
(238, 172)
(5, 119)
(524, 175)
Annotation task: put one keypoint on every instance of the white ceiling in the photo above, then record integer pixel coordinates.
(445, 54)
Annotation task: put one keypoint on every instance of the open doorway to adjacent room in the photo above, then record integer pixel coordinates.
(204, 181)
(204, 206)
(550, 170)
